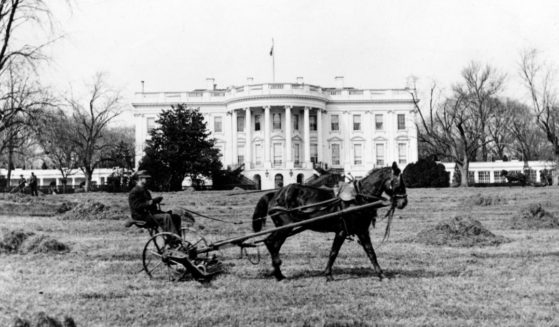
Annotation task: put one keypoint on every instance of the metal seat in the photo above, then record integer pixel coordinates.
(152, 228)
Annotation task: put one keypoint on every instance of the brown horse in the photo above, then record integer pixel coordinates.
(366, 190)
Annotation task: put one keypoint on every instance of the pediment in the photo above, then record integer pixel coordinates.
(334, 139)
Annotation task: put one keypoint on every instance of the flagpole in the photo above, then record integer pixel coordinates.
(273, 62)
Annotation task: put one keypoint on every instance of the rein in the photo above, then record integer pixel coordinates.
(211, 218)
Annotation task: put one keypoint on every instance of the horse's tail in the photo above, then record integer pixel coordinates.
(261, 211)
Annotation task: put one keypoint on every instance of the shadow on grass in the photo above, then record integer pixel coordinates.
(365, 272)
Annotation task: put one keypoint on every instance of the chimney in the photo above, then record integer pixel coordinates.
(250, 80)
(299, 80)
(210, 83)
(339, 82)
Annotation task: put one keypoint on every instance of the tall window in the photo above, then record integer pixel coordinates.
(497, 176)
(278, 154)
(356, 122)
(151, 123)
(240, 123)
(240, 154)
(335, 122)
(295, 122)
(257, 122)
(258, 154)
(483, 176)
(314, 153)
(379, 147)
(296, 153)
(379, 122)
(276, 120)
(217, 124)
(312, 122)
(335, 154)
(357, 154)
(402, 153)
(401, 121)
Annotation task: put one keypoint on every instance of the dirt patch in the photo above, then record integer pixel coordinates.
(459, 231)
(20, 241)
(486, 200)
(26, 205)
(41, 319)
(534, 216)
(93, 210)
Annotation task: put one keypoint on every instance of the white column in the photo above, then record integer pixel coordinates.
(391, 136)
(234, 137)
(267, 136)
(346, 132)
(248, 142)
(306, 139)
(229, 141)
(288, 136)
(319, 134)
(412, 134)
(368, 123)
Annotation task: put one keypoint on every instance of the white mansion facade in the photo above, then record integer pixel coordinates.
(282, 131)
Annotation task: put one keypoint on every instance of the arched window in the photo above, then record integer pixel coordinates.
(278, 181)
(300, 178)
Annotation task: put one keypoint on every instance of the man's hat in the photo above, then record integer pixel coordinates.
(142, 173)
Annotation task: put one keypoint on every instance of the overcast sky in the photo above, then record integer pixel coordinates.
(174, 45)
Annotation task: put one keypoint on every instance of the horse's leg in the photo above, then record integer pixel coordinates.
(274, 243)
(365, 240)
(336, 245)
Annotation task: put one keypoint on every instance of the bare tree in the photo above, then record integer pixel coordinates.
(538, 78)
(54, 133)
(478, 91)
(90, 124)
(15, 16)
(21, 99)
(449, 129)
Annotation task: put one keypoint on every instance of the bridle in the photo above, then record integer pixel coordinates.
(394, 197)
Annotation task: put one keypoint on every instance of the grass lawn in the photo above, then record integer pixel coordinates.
(99, 282)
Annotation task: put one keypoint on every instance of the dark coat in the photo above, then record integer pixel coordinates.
(139, 200)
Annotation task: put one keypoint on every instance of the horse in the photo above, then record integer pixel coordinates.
(514, 177)
(326, 179)
(386, 180)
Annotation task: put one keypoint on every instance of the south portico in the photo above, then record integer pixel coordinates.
(278, 141)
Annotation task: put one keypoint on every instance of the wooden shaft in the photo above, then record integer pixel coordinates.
(238, 240)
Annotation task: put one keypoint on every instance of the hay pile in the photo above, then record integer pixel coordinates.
(42, 320)
(534, 217)
(485, 200)
(93, 210)
(459, 232)
(19, 241)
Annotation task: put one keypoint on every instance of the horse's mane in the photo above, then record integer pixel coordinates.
(376, 170)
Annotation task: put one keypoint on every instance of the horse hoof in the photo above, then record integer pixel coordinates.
(280, 277)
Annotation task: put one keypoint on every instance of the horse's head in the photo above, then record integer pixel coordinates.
(386, 180)
(504, 173)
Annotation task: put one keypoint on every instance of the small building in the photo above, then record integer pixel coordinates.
(490, 172)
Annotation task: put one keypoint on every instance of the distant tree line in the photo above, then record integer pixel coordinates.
(473, 121)
(61, 131)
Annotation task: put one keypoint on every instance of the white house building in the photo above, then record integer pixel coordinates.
(282, 131)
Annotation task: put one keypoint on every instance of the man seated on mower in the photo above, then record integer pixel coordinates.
(144, 208)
